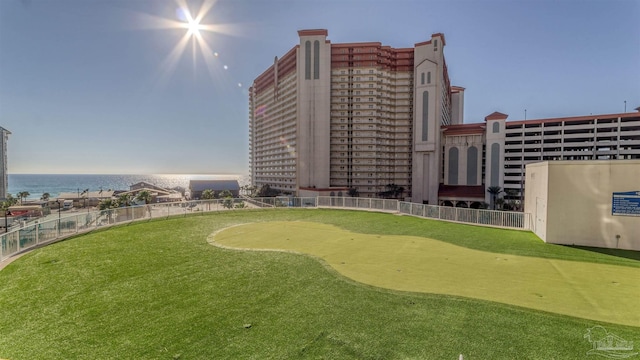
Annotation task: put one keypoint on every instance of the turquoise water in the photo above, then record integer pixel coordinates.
(37, 184)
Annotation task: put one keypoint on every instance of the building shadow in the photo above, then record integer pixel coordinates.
(627, 254)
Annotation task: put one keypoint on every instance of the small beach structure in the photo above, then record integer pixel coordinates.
(196, 187)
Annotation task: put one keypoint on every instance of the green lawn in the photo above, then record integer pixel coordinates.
(158, 290)
(410, 263)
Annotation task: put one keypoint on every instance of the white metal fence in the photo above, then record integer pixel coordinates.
(506, 219)
(57, 226)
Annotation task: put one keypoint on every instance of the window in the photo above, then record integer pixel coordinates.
(472, 166)
(429, 77)
(495, 162)
(316, 59)
(496, 127)
(422, 79)
(425, 115)
(307, 60)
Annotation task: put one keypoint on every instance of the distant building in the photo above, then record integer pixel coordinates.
(196, 187)
(332, 116)
(91, 198)
(143, 185)
(4, 178)
(359, 115)
(585, 203)
(495, 152)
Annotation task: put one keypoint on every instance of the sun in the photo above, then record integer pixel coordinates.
(194, 36)
(193, 28)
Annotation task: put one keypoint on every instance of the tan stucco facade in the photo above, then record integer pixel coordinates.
(570, 202)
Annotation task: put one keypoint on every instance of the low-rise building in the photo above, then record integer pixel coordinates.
(196, 187)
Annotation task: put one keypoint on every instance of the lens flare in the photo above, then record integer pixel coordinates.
(197, 32)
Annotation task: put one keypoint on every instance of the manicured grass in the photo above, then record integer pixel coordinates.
(158, 290)
(410, 263)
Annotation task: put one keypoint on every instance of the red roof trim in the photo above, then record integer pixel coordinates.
(475, 128)
(574, 118)
(313, 32)
(496, 116)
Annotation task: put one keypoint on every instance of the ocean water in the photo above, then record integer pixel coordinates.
(38, 184)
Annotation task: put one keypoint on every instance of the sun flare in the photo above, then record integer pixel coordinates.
(195, 25)
(193, 28)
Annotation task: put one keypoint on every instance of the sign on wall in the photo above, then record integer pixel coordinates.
(626, 203)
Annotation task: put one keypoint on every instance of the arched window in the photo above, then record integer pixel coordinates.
(453, 166)
(472, 166)
(332, 194)
(316, 59)
(496, 127)
(495, 164)
(307, 60)
(425, 115)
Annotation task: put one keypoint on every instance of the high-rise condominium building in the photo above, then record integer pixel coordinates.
(352, 116)
(330, 117)
(4, 178)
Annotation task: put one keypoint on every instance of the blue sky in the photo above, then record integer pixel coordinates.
(85, 86)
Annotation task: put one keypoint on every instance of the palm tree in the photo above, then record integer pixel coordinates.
(83, 193)
(228, 199)
(23, 195)
(11, 200)
(4, 207)
(124, 200)
(208, 194)
(510, 198)
(45, 196)
(145, 196)
(107, 204)
(494, 191)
